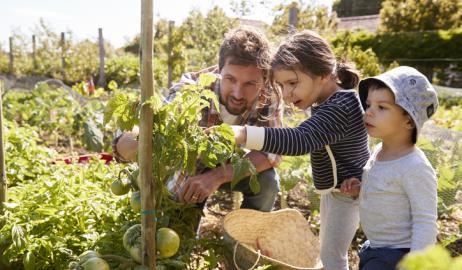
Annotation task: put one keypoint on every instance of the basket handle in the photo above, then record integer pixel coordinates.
(234, 258)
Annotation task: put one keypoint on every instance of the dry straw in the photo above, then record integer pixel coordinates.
(281, 238)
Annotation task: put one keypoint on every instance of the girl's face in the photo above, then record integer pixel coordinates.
(299, 88)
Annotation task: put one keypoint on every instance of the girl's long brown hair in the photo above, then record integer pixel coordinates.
(312, 54)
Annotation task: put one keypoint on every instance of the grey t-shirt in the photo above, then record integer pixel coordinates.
(398, 202)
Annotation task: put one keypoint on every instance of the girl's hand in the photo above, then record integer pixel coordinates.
(351, 187)
(240, 134)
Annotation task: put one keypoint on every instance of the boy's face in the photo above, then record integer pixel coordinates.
(240, 86)
(383, 118)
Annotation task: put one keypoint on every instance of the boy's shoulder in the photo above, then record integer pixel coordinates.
(414, 160)
(418, 157)
(419, 168)
(412, 167)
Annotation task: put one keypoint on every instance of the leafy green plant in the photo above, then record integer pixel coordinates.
(433, 257)
(58, 118)
(365, 60)
(50, 110)
(180, 144)
(123, 69)
(448, 168)
(60, 214)
(450, 118)
(25, 157)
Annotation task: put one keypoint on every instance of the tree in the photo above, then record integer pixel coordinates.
(420, 15)
(315, 18)
(3, 61)
(202, 36)
(242, 8)
(195, 43)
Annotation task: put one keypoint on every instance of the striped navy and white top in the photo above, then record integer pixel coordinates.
(337, 122)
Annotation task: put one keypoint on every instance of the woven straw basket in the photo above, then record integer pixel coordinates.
(281, 238)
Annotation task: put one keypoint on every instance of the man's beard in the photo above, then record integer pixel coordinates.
(234, 110)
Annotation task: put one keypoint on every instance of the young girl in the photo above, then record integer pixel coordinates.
(309, 76)
(398, 198)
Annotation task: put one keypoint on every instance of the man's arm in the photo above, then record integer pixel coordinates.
(197, 188)
(201, 185)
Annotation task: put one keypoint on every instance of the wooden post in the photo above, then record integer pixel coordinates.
(293, 12)
(148, 203)
(11, 64)
(63, 63)
(170, 29)
(34, 59)
(3, 182)
(102, 54)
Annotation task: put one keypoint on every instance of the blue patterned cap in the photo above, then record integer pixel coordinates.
(413, 92)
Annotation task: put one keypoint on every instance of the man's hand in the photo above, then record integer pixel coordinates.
(127, 145)
(196, 189)
(351, 187)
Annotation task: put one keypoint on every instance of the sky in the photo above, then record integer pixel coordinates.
(120, 19)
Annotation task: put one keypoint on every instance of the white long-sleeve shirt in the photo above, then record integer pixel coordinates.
(398, 202)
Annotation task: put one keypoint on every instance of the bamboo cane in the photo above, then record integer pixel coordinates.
(3, 182)
(148, 203)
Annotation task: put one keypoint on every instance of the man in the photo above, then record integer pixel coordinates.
(243, 64)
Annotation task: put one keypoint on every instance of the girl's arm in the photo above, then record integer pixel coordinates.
(327, 126)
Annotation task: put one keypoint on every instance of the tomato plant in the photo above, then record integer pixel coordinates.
(180, 144)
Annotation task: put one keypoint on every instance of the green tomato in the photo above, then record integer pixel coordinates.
(167, 242)
(120, 187)
(132, 242)
(87, 255)
(74, 266)
(96, 264)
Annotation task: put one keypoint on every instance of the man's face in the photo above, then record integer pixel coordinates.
(240, 86)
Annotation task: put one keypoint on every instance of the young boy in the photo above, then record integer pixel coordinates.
(398, 198)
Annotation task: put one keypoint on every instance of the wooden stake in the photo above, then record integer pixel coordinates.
(293, 14)
(11, 65)
(102, 54)
(148, 202)
(3, 182)
(63, 62)
(170, 29)
(34, 59)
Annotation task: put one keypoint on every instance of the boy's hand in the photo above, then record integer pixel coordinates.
(351, 187)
